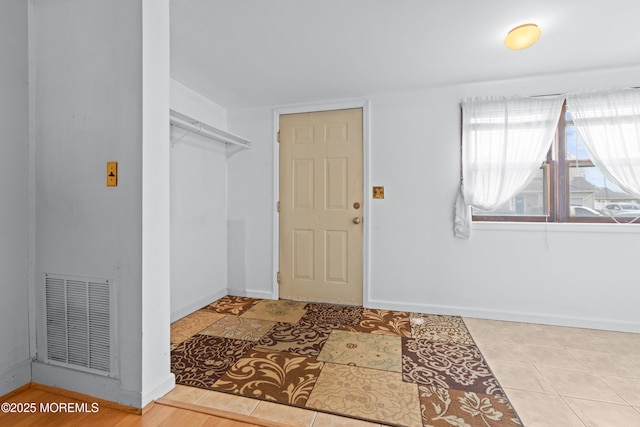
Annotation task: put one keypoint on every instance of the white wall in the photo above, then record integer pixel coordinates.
(15, 363)
(198, 223)
(157, 379)
(580, 275)
(91, 61)
(198, 207)
(191, 103)
(251, 208)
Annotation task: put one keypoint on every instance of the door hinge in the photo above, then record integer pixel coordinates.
(278, 136)
(278, 206)
(278, 277)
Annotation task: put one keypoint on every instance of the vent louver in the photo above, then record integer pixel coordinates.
(79, 320)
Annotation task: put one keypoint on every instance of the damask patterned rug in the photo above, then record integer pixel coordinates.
(383, 366)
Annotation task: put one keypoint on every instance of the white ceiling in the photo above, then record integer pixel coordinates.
(246, 53)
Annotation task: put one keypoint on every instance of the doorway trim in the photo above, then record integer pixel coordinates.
(366, 183)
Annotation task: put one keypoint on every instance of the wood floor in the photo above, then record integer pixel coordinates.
(164, 412)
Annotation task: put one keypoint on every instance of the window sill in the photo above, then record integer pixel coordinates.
(567, 227)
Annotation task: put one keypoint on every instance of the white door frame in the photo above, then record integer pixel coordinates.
(366, 212)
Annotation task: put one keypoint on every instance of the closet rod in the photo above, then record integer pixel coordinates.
(210, 132)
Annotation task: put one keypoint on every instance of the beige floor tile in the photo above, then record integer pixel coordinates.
(328, 420)
(521, 376)
(512, 326)
(626, 350)
(485, 330)
(566, 331)
(542, 410)
(579, 384)
(620, 343)
(183, 393)
(609, 363)
(627, 388)
(613, 336)
(507, 351)
(229, 402)
(573, 338)
(533, 334)
(576, 343)
(601, 414)
(289, 415)
(552, 357)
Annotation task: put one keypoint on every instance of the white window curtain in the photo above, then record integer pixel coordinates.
(609, 123)
(504, 142)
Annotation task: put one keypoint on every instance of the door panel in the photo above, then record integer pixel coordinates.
(336, 256)
(320, 195)
(336, 174)
(303, 254)
(303, 184)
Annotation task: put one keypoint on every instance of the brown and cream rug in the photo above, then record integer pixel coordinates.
(389, 367)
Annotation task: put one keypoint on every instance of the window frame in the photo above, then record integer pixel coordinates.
(556, 172)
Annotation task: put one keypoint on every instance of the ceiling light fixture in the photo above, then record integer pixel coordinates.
(522, 36)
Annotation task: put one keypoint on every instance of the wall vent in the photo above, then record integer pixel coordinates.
(79, 319)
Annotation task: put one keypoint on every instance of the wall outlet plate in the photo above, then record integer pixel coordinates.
(112, 174)
(378, 192)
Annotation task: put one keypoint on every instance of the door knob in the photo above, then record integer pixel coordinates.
(356, 220)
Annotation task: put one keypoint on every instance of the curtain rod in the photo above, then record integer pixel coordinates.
(559, 94)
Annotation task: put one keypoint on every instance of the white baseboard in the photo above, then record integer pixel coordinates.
(15, 376)
(512, 316)
(162, 388)
(196, 305)
(86, 383)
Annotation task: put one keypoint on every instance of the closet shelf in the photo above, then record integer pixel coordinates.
(233, 142)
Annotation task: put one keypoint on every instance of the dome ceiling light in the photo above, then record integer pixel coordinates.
(522, 36)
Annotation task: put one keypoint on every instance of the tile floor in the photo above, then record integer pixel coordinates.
(554, 376)
(558, 376)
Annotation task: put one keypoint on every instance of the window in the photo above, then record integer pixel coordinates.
(567, 188)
